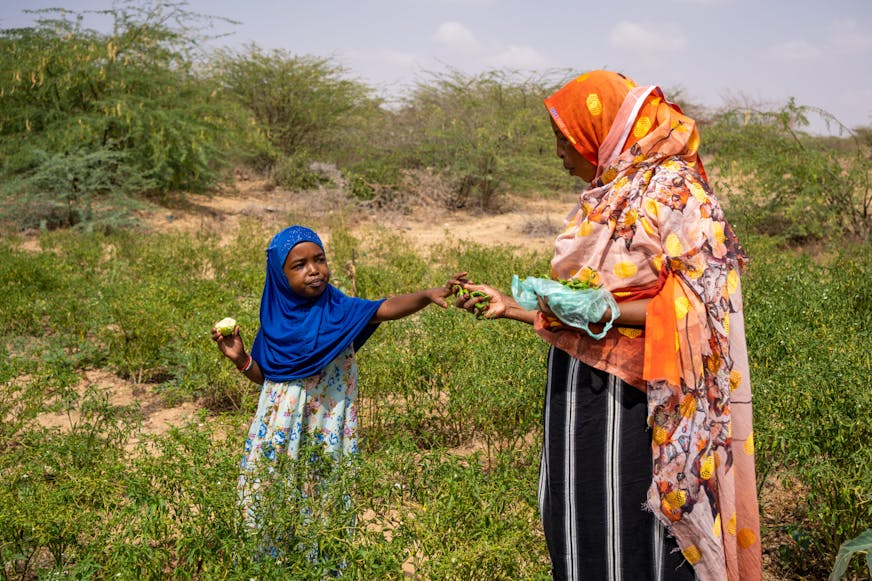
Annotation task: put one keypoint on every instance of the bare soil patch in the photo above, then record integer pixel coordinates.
(157, 418)
(527, 222)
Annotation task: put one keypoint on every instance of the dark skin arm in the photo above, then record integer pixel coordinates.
(399, 306)
(502, 306)
(233, 348)
(393, 308)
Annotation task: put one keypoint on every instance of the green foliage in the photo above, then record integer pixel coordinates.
(85, 113)
(82, 187)
(786, 183)
(808, 326)
(294, 172)
(57, 485)
(486, 542)
(370, 155)
(302, 103)
(487, 132)
(481, 135)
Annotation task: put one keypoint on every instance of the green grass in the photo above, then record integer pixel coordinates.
(450, 413)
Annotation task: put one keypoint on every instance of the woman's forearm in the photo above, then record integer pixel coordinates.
(516, 312)
(632, 313)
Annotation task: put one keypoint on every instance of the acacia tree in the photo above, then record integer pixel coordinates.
(487, 131)
(787, 183)
(86, 113)
(303, 106)
(301, 102)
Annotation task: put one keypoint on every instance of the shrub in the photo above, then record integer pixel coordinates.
(295, 172)
(486, 133)
(301, 103)
(789, 184)
(84, 112)
(67, 189)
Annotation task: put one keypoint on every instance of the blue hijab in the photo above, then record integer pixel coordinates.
(298, 336)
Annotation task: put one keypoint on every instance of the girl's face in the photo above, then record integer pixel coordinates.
(306, 269)
(573, 161)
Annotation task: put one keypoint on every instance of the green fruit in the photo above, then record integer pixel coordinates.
(225, 326)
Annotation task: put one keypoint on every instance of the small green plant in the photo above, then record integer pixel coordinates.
(359, 187)
(860, 545)
(294, 172)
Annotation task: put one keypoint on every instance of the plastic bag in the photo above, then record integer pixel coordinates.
(575, 307)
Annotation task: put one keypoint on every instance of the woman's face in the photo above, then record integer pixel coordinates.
(573, 161)
(306, 269)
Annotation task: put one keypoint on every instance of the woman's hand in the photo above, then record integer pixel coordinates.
(545, 308)
(483, 300)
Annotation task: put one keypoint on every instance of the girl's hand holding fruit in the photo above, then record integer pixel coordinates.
(226, 334)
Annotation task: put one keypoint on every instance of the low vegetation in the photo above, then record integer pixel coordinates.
(95, 126)
(101, 498)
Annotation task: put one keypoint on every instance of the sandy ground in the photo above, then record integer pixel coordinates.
(527, 222)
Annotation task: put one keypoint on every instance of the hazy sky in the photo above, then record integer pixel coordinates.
(765, 51)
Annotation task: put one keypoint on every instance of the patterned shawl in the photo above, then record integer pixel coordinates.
(650, 226)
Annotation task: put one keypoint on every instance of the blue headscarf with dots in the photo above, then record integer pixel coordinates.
(299, 336)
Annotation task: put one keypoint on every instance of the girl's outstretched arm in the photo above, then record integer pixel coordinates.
(399, 306)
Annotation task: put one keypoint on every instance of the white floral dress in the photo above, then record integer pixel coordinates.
(322, 405)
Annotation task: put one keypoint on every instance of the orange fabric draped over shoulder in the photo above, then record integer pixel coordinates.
(650, 226)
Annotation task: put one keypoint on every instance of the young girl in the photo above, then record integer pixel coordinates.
(304, 355)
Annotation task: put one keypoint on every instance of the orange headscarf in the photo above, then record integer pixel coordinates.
(650, 226)
(586, 118)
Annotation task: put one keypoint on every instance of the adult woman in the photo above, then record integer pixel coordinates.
(650, 229)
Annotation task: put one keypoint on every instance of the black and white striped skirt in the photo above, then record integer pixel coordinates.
(594, 477)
